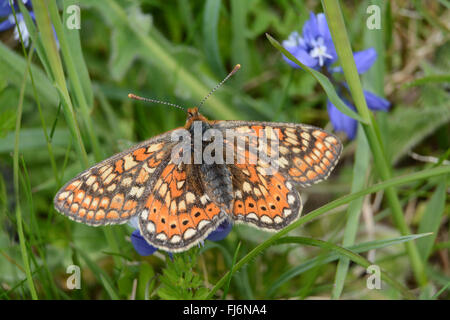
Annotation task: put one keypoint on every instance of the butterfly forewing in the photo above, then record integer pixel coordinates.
(268, 199)
(112, 191)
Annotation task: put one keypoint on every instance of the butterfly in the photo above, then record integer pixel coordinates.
(179, 199)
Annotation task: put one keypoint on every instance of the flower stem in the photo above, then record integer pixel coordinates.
(338, 32)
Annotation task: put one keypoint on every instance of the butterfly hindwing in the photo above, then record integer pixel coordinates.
(178, 213)
(269, 202)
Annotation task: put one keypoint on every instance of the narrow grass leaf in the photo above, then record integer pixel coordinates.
(332, 256)
(437, 294)
(100, 274)
(362, 159)
(73, 41)
(210, 32)
(432, 218)
(227, 286)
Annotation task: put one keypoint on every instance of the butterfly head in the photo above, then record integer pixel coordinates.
(194, 115)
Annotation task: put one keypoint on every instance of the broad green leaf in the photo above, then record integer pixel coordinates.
(33, 138)
(407, 127)
(12, 69)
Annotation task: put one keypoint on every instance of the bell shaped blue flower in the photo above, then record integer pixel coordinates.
(9, 22)
(144, 248)
(6, 14)
(316, 50)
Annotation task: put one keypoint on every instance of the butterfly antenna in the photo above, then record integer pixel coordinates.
(133, 96)
(235, 69)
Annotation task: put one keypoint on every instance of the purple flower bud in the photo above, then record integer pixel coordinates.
(342, 122)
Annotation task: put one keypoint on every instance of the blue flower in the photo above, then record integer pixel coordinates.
(9, 22)
(145, 249)
(316, 50)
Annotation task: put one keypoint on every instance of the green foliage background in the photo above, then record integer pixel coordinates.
(64, 109)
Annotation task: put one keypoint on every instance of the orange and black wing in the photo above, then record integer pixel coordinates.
(283, 156)
(178, 213)
(113, 191)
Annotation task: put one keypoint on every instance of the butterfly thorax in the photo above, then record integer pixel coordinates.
(215, 177)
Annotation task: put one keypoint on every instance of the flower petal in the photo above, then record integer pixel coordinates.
(141, 245)
(365, 59)
(134, 222)
(6, 24)
(331, 50)
(310, 28)
(322, 26)
(302, 56)
(342, 122)
(5, 10)
(375, 102)
(292, 41)
(221, 232)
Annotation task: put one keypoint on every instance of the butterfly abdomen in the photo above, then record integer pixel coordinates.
(217, 181)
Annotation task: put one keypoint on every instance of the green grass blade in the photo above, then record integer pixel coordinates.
(227, 285)
(210, 31)
(16, 168)
(239, 47)
(340, 39)
(164, 60)
(48, 40)
(68, 51)
(437, 294)
(73, 40)
(100, 274)
(332, 256)
(432, 217)
(354, 256)
(434, 78)
(362, 159)
(12, 67)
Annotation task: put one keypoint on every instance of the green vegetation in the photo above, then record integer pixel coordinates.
(64, 107)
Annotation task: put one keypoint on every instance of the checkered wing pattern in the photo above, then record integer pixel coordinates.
(112, 191)
(264, 185)
(178, 212)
